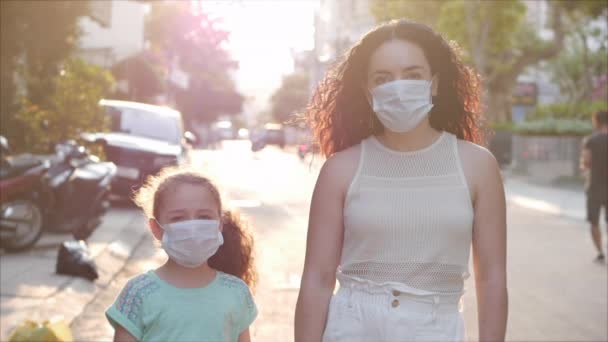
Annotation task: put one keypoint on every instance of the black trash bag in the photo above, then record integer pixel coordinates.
(74, 259)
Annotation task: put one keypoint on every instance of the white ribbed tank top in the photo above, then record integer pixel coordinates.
(408, 218)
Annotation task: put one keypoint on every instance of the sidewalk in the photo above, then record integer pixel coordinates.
(30, 288)
(551, 200)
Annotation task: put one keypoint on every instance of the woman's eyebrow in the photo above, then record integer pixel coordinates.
(205, 210)
(413, 67)
(409, 68)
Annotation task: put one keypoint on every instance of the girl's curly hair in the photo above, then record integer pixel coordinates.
(236, 255)
(341, 116)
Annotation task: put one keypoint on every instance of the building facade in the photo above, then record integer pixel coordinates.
(113, 32)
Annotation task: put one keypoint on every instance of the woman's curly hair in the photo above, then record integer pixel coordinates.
(236, 255)
(339, 112)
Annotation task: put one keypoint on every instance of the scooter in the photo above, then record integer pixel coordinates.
(70, 196)
(303, 149)
(307, 148)
(22, 199)
(79, 185)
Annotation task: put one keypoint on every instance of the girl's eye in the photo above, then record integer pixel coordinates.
(204, 217)
(380, 80)
(175, 219)
(413, 76)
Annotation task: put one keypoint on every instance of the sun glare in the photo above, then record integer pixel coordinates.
(263, 36)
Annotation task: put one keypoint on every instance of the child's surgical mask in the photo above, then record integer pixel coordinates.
(191, 243)
(401, 105)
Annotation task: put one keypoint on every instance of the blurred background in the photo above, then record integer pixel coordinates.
(96, 95)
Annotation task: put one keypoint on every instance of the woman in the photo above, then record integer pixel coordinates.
(403, 195)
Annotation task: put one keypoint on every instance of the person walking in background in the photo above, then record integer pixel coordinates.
(403, 195)
(201, 293)
(594, 158)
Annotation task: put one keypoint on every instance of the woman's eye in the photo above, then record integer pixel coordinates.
(175, 219)
(204, 217)
(414, 76)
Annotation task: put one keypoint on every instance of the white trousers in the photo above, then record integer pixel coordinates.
(361, 312)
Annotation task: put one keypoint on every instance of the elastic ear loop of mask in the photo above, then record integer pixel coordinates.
(370, 101)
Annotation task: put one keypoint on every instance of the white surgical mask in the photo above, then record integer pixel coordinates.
(192, 243)
(401, 105)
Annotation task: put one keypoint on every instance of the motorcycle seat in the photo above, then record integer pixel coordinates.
(13, 166)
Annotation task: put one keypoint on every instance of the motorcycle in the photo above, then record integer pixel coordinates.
(306, 148)
(22, 200)
(71, 196)
(79, 184)
(303, 149)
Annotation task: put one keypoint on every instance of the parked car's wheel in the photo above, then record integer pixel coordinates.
(20, 224)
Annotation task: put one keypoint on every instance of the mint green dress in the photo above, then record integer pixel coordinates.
(151, 309)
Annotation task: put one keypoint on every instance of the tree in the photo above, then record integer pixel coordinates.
(183, 36)
(425, 11)
(143, 77)
(36, 37)
(579, 67)
(496, 38)
(71, 108)
(290, 98)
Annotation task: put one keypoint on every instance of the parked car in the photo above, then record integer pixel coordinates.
(271, 134)
(144, 138)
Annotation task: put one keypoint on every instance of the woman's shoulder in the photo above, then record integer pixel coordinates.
(340, 168)
(343, 162)
(472, 153)
(347, 156)
(479, 165)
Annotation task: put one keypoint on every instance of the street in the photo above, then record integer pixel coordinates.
(556, 292)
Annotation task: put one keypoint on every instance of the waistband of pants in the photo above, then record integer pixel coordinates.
(372, 292)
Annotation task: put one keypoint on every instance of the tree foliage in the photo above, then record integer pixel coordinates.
(145, 79)
(579, 67)
(290, 97)
(184, 36)
(495, 36)
(36, 37)
(72, 108)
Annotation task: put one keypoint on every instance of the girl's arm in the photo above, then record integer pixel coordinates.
(489, 250)
(122, 335)
(244, 336)
(323, 247)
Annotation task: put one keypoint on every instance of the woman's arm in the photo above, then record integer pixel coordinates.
(122, 335)
(489, 249)
(323, 248)
(244, 336)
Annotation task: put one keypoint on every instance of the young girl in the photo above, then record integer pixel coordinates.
(201, 292)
